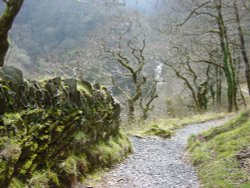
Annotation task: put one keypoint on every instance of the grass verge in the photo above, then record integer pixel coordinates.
(106, 155)
(166, 127)
(222, 154)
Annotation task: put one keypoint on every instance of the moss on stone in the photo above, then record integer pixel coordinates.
(155, 130)
(15, 183)
(54, 132)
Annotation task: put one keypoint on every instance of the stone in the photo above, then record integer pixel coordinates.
(87, 86)
(51, 114)
(97, 86)
(12, 74)
(71, 83)
(57, 81)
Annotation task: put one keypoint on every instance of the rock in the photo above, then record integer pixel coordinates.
(12, 74)
(57, 81)
(97, 86)
(72, 84)
(51, 91)
(86, 86)
(36, 92)
(22, 96)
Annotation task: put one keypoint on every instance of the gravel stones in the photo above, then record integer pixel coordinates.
(158, 163)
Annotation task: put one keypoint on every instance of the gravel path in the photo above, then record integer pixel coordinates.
(158, 163)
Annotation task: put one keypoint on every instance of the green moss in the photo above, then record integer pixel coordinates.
(102, 155)
(83, 165)
(69, 166)
(214, 153)
(106, 154)
(245, 185)
(38, 180)
(53, 178)
(84, 87)
(8, 119)
(70, 132)
(44, 179)
(155, 130)
(112, 151)
(15, 183)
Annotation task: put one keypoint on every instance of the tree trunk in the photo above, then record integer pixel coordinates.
(218, 87)
(242, 97)
(227, 59)
(145, 115)
(131, 111)
(232, 72)
(202, 96)
(4, 45)
(238, 65)
(242, 46)
(6, 21)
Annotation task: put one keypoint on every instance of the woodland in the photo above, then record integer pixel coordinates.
(83, 81)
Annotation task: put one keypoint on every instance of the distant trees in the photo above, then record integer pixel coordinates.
(213, 34)
(208, 32)
(6, 20)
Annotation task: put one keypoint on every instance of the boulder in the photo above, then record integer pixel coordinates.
(10, 73)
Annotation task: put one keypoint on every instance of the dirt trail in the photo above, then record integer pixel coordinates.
(158, 163)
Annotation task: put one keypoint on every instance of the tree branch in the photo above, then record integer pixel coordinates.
(192, 12)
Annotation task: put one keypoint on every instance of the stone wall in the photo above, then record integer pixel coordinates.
(51, 130)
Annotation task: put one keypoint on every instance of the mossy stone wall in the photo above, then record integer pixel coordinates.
(50, 130)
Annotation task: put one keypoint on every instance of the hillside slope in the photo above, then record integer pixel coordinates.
(222, 154)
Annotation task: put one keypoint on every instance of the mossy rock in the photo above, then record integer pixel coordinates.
(155, 130)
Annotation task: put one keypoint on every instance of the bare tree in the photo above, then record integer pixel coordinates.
(197, 85)
(132, 66)
(146, 101)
